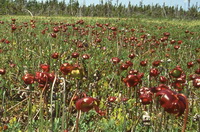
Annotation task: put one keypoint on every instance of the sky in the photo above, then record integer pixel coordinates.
(183, 3)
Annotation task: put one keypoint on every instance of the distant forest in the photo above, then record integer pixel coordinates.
(103, 9)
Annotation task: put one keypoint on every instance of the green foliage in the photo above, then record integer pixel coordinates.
(25, 106)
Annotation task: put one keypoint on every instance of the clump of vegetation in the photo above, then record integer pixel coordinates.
(99, 74)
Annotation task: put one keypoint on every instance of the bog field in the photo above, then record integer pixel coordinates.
(84, 74)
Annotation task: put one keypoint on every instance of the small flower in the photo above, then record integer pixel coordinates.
(53, 35)
(124, 66)
(156, 63)
(145, 95)
(2, 71)
(28, 78)
(197, 71)
(131, 80)
(196, 82)
(86, 56)
(143, 63)
(154, 72)
(159, 88)
(178, 85)
(66, 68)
(75, 55)
(166, 34)
(129, 63)
(45, 67)
(176, 47)
(124, 99)
(87, 103)
(55, 55)
(12, 65)
(111, 99)
(172, 102)
(131, 56)
(76, 73)
(169, 60)
(176, 72)
(181, 79)
(55, 29)
(192, 76)
(133, 72)
(198, 61)
(173, 41)
(51, 77)
(115, 60)
(41, 77)
(190, 64)
(13, 27)
(163, 79)
(180, 41)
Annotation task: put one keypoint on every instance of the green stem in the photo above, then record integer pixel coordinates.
(186, 113)
(64, 104)
(77, 121)
(52, 102)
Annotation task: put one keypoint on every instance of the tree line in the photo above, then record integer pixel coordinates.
(103, 9)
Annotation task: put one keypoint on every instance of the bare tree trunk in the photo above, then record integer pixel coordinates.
(80, 12)
(164, 12)
(28, 12)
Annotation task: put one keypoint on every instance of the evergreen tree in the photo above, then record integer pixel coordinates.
(103, 9)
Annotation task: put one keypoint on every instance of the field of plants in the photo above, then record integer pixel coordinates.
(66, 74)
